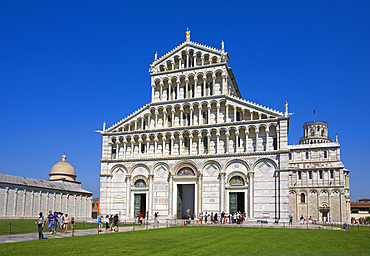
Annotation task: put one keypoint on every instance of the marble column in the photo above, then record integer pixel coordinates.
(170, 199)
(227, 113)
(190, 143)
(236, 142)
(268, 141)
(218, 142)
(251, 194)
(218, 113)
(222, 190)
(150, 194)
(200, 192)
(186, 94)
(128, 194)
(227, 141)
(156, 118)
(173, 118)
(209, 115)
(257, 144)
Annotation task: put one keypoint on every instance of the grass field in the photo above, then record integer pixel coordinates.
(28, 225)
(203, 241)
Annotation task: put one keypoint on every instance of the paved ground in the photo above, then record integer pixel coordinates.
(11, 238)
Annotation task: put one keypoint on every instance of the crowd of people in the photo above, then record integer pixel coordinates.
(54, 220)
(236, 217)
(111, 222)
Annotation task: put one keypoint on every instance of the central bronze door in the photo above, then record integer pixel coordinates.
(185, 200)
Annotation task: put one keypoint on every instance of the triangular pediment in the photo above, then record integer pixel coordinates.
(189, 46)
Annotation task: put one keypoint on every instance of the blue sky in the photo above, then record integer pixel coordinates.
(67, 66)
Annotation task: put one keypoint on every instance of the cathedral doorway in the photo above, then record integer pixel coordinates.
(139, 204)
(237, 201)
(185, 200)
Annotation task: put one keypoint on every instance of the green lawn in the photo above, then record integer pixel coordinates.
(28, 225)
(203, 241)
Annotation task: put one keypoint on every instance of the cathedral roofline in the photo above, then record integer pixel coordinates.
(239, 100)
(189, 43)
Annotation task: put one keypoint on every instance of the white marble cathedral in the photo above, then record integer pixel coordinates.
(198, 145)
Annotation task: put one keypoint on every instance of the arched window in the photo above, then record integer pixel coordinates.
(303, 198)
(140, 183)
(236, 181)
(186, 172)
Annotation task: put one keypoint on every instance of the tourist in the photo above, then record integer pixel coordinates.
(55, 222)
(211, 218)
(66, 223)
(215, 218)
(147, 216)
(276, 221)
(61, 221)
(110, 222)
(155, 217)
(290, 219)
(40, 224)
(100, 223)
(72, 224)
(50, 221)
(310, 220)
(205, 218)
(115, 222)
(302, 220)
(106, 220)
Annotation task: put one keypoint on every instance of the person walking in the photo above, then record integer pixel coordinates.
(110, 223)
(147, 216)
(61, 221)
(50, 221)
(72, 224)
(66, 223)
(115, 222)
(40, 224)
(55, 222)
(100, 223)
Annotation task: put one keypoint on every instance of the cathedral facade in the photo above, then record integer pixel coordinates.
(198, 146)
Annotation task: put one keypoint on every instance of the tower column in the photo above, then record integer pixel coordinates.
(190, 143)
(147, 146)
(204, 86)
(218, 113)
(227, 141)
(236, 142)
(199, 114)
(161, 91)
(195, 84)
(223, 84)
(140, 141)
(199, 143)
(178, 90)
(155, 145)
(173, 118)
(209, 115)
(208, 143)
(218, 142)
(156, 118)
(234, 113)
(186, 94)
(227, 113)
(257, 144)
(181, 115)
(124, 148)
(191, 116)
(180, 144)
(267, 140)
(163, 145)
(246, 140)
